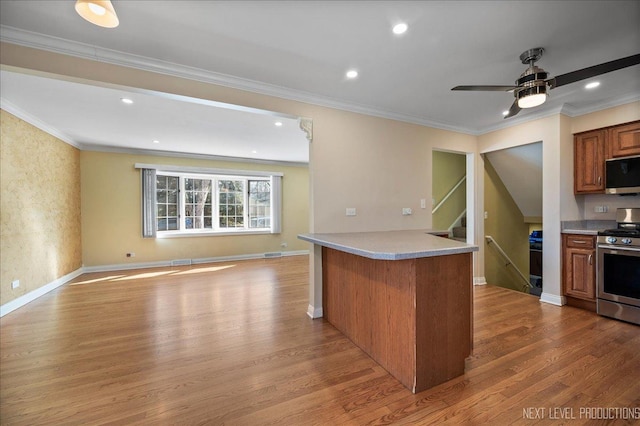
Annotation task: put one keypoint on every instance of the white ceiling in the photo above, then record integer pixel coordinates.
(93, 117)
(300, 50)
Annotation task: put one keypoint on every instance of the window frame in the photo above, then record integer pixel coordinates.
(275, 200)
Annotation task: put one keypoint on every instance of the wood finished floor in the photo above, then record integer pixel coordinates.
(231, 343)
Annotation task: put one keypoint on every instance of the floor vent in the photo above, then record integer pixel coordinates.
(273, 254)
(181, 262)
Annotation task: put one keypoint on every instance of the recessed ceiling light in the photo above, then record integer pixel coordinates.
(592, 85)
(352, 74)
(505, 112)
(400, 28)
(254, 152)
(156, 141)
(278, 123)
(126, 101)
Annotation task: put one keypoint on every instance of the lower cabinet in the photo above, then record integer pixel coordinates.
(579, 270)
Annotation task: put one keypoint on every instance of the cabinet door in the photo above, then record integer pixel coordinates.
(625, 140)
(588, 162)
(580, 273)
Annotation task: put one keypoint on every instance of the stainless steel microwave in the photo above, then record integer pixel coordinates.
(623, 175)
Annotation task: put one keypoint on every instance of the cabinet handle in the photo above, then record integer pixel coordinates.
(590, 259)
(599, 180)
(579, 242)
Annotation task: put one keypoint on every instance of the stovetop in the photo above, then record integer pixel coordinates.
(618, 232)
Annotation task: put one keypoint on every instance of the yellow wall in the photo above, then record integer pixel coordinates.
(506, 225)
(448, 169)
(111, 213)
(40, 234)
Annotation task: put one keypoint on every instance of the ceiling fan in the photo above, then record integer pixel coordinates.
(530, 89)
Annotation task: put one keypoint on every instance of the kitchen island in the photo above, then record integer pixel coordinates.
(403, 297)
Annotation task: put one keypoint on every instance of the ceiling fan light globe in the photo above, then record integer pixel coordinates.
(532, 100)
(98, 12)
(532, 96)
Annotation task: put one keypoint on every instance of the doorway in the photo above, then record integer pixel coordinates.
(513, 218)
(449, 194)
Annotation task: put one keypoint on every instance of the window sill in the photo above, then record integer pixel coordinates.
(163, 235)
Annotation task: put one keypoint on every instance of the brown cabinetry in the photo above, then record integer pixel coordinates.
(589, 154)
(579, 269)
(592, 148)
(624, 140)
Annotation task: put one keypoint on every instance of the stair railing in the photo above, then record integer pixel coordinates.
(446, 197)
(458, 219)
(490, 240)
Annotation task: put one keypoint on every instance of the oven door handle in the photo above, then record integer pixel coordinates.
(619, 248)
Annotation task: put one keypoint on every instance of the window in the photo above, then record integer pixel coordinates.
(231, 203)
(167, 203)
(198, 213)
(189, 201)
(259, 204)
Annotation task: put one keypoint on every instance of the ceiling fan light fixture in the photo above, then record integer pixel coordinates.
(98, 12)
(532, 96)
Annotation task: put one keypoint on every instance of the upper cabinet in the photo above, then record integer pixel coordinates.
(588, 162)
(592, 148)
(624, 140)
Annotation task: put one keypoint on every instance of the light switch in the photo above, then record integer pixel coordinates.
(351, 211)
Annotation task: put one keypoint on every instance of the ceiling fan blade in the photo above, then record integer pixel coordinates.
(486, 88)
(513, 110)
(593, 71)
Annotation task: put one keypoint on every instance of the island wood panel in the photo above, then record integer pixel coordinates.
(411, 316)
(370, 302)
(445, 311)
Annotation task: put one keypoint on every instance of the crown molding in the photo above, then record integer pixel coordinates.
(194, 156)
(85, 51)
(572, 111)
(25, 116)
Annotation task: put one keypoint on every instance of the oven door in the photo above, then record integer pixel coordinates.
(619, 274)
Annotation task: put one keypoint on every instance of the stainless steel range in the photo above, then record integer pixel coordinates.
(618, 268)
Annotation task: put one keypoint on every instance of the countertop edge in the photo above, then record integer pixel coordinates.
(383, 255)
(580, 231)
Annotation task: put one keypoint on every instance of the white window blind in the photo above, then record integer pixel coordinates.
(149, 203)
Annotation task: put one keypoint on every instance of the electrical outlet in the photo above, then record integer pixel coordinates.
(486, 215)
(15, 284)
(283, 244)
(406, 211)
(423, 203)
(351, 211)
(601, 209)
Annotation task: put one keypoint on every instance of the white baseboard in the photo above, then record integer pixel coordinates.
(479, 281)
(196, 261)
(553, 299)
(125, 266)
(33, 295)
(314, 312)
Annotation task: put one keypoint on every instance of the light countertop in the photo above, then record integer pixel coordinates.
(586, 227)
(391, 245)
(580, 231)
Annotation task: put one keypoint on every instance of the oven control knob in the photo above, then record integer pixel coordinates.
(626, 241)
(611, 240)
